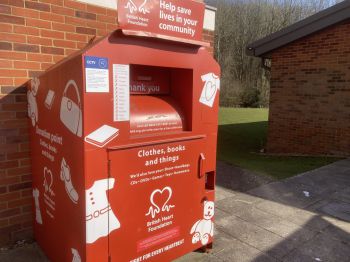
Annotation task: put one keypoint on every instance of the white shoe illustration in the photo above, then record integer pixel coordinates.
(66, 177)
(76, 256)
(38, 217)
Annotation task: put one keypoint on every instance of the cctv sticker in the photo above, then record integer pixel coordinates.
(96, 74)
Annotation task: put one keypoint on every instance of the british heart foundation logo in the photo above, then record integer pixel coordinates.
(160, 201)
(132, 7)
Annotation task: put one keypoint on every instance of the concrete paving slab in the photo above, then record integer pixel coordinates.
(241, 252)
(342, 195)
(271, 223)
(247, 233)
(233, 205)
(220, 214)
(26, 253)
(294, 215)
(199, 257)
(337, 209)
(319, 183)
(222, 193)
(325, 248)
(292, 194)
(298, 256)
(339, 233)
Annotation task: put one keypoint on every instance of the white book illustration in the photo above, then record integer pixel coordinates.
(102, 136)
(49, 99)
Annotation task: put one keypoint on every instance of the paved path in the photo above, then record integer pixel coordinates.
(304, 218)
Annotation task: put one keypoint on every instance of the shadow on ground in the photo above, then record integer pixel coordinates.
(303, 218)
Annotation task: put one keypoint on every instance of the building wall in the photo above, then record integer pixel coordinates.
(310, 95)
(33, 36)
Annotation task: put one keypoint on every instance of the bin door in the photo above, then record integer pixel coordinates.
(156, 200)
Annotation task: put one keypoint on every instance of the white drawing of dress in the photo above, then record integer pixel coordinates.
(67, 178)
(38, 217)
(100, 219)
(203, 229)
(76, 256)
(210, 89)
(70, 112)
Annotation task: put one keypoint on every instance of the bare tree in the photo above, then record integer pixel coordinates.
(240, 22)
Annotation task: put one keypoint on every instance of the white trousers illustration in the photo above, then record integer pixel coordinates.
(38, 217)
(100, 219)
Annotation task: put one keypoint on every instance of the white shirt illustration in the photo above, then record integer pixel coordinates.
(100, 219)
(210, 89)
(38, 217)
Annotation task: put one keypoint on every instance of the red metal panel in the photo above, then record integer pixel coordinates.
(158, 198)
(99, 213)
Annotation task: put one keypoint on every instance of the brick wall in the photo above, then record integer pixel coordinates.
(310, 95)
(33, 36)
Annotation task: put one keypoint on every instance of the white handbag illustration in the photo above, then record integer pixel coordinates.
(70, 114)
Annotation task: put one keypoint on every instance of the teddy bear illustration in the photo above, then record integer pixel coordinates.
(203, 229)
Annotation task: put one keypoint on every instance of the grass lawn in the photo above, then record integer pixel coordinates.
(242, 134)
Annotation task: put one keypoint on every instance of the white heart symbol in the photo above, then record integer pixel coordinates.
(210, 89)
(158, 191)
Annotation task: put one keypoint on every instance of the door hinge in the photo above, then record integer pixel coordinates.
(109, 168)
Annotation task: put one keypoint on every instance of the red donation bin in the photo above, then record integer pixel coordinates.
(123, 140)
